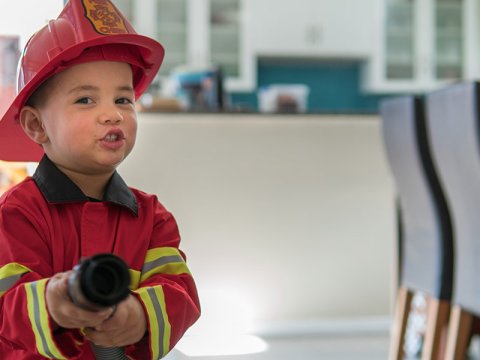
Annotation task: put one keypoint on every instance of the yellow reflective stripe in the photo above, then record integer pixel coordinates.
(9, 275)
(159, 329)
(134, 279)
(165, 260)
(38, 315)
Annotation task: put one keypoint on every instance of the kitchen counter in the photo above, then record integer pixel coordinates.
(294, 214)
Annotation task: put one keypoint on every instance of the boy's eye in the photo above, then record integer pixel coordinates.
(84, 100)
(124, 101)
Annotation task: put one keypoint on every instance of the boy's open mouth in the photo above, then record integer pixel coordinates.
(113, 136)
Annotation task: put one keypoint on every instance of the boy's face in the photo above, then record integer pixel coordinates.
(89, 117)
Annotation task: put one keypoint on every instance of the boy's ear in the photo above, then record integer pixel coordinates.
(32, 124)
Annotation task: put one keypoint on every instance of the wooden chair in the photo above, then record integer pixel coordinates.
(453, 122)
(426, 242)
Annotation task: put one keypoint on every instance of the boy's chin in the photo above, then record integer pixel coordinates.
(112, 162)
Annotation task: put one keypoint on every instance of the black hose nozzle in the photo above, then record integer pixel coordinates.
(99, 281)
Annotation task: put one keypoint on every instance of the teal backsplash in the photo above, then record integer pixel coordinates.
(335, 86)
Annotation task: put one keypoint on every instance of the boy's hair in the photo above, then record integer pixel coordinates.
(39, 96)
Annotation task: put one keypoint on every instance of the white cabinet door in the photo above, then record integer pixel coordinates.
(340, 28)
(171, 29)
(344, 27)
(284, 27)
(423, 45)
(229, 43)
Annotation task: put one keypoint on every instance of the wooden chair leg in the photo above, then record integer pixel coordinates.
(458, 334)
(402, 310)
(438, 312)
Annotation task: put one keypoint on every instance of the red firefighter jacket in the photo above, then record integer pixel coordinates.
(47, 225)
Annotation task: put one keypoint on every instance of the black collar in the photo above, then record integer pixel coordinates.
(56, 187)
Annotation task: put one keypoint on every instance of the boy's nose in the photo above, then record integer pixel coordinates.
(111, 116)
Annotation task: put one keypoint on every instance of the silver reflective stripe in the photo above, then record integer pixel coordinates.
(160, 262)
(7, 282)
(159, 317)
(38, 325)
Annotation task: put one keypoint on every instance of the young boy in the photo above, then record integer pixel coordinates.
(78, 80)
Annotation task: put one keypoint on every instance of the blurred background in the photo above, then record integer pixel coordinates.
(261, 134)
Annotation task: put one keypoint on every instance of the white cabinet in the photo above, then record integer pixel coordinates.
(289, 26)
(199, 33)
(171, 29)
(228, 42)
(423, 44)
(338, 28)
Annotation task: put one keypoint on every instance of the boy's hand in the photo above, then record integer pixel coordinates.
(64, 312)
(126, 326)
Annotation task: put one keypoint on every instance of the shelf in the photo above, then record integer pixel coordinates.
(399, 62)
(225, 30)
(169, 11)
(400, 32)
(225, 58)
(172, 27)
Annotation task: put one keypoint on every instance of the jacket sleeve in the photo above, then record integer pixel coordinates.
(166, 290)
(25, 324)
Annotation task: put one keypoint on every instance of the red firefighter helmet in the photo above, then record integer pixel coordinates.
(86, 30)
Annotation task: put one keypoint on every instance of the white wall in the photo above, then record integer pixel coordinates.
(291, 214)
(25, 17)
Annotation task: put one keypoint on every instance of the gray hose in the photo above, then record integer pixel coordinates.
(108, 353)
